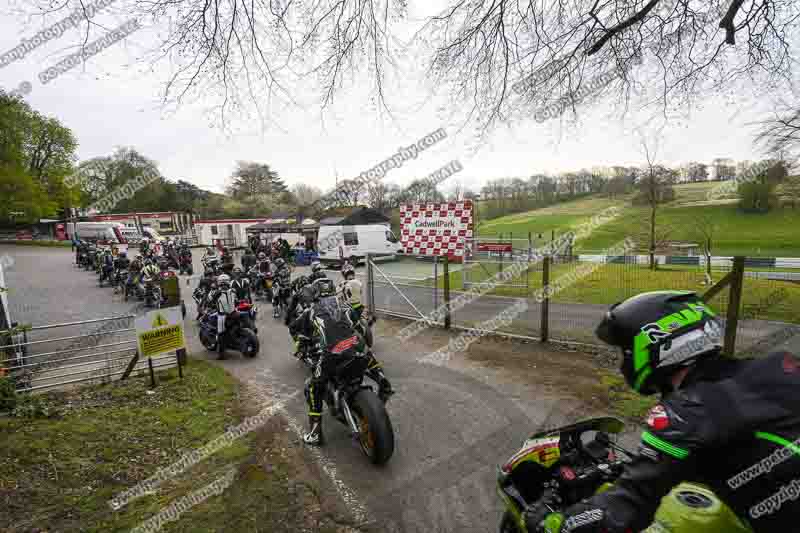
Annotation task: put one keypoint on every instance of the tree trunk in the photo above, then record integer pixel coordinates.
(653, 237)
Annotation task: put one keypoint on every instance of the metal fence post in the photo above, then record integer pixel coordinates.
(734, 303)
(436, 282)
(545, 299)
(370, 286)
(446, 265)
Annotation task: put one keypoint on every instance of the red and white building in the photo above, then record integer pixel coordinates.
(163, 221)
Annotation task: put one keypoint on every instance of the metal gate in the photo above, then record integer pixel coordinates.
(87, 351)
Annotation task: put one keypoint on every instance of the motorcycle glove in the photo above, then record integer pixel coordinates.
(552, 523)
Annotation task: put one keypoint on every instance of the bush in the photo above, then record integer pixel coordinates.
(8, 394)
(756, 197)
(29, 406)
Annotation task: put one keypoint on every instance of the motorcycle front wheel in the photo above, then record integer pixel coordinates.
(376, 436)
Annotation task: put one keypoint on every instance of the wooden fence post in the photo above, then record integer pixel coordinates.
(734, 303)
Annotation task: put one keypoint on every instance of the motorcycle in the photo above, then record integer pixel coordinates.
(236, 335)
(106, 274)
(90, 259)
(355, 404)
(560, 467)
(247, 313)
(185, 264)
(153, 294)
(119, 279)
(133, 287)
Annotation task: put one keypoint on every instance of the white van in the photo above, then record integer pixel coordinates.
(100, 232)
(335, 243)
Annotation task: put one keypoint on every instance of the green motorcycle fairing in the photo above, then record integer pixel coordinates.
(688, 508)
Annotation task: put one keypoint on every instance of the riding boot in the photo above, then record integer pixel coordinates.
(315, 436)
(221, 346)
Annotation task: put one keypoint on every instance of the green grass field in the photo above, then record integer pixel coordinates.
(608, 284)
(776, 233)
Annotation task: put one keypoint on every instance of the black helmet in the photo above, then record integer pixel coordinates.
(660, 332)
(348, 270)
(324, 287)
(280, 263)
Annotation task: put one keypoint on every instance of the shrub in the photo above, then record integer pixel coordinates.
(8, 394)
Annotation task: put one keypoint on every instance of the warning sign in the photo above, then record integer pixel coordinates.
(160, 331)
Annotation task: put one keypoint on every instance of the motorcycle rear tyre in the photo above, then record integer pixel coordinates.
(372, 417)
(249, 339)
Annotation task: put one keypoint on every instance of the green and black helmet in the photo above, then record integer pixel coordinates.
(659, 332)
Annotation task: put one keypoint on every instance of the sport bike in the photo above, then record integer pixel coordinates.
(236, 336)
(557, 468)
(350, 401)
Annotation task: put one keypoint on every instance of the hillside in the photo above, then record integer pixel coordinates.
(773, 234)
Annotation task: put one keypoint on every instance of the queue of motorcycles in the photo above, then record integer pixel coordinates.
(130, 284)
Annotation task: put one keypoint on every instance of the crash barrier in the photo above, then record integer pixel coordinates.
(568, 295)
(87, 351)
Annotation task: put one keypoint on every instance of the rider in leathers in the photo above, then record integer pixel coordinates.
(283, 278)
(732, 424)
(326, 307)
(241, 285)
(222, 299)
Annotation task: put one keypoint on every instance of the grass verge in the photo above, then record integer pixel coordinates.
(47, 244)
(58, 473)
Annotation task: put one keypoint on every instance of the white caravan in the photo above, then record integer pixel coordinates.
(335, 243)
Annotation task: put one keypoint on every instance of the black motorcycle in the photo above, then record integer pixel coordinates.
(349, 400)
(119, 279)
(185, 264)
(236, 336)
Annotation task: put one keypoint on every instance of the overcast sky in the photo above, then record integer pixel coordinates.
(114, 100)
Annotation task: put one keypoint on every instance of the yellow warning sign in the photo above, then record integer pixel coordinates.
(161, 340)
(160, 331)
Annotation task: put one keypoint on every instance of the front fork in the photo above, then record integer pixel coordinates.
(348, 415)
